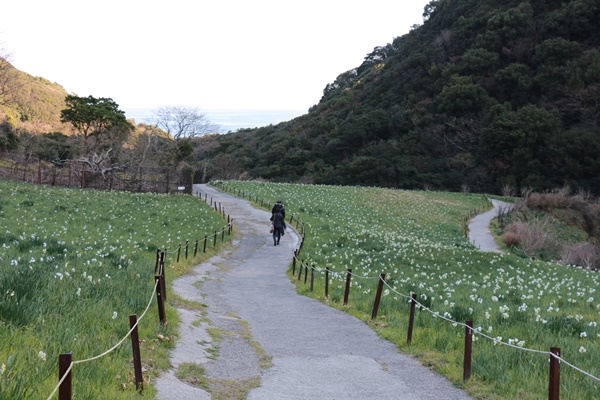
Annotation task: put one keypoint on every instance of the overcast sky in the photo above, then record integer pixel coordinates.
(217, 54)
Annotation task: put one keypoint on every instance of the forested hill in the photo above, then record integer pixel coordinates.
(485, 95)
(31, 103)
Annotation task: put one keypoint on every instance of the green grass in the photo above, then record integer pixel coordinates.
(74, 265)
(417, 240)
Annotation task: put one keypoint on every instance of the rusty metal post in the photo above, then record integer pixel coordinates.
(135, 348)
(378, 297)
(65, 391)
(312, 278)
(205, 239)
(347, 292)
(178, 252)
(306, 274)
(160, 299)
(554, 388)
(326, 282)
(411, 320)
(196, 248)
(222, 235)
(468, 350)
(187, 243)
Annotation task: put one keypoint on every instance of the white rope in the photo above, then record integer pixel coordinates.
(473, 330)
(108, 351)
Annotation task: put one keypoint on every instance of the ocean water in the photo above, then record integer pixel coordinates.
(227, 120)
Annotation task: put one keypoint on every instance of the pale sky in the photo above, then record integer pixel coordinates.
(217, 54)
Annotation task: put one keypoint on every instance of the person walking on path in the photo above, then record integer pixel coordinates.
(278, 226)
(279, 207)
(287, 346)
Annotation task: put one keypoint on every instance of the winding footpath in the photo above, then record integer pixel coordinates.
(285, 345)
(479, 227)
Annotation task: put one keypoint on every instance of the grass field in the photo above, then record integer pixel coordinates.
(74, 265)
(520, 307)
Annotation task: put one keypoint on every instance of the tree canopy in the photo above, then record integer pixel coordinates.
(96, 117)
(482, 95)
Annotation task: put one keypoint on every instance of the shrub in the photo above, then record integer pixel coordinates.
(532, 238)
(581, 254)
(510, 239)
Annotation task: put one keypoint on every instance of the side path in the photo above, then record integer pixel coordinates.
(316, 352)
(479, 227)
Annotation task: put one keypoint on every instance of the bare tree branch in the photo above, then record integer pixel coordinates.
(183, 122)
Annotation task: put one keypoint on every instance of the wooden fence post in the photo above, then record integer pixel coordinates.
(312, 278)
(347, 292)
(554, 389)
(300, 269)
(160, 299)
(411, 320)
(468, 350)
(135, 348)
(378, 297)
(215, 240)
(222, 235)
(306, 274)
(178, 252)
(187, 243)
(157, 261)
(294, 264)
(326, 282)
(65, 391)
(196, 248)
(205, 239)
(163, 280)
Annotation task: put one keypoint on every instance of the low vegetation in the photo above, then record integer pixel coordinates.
(520, 307)
(555, 225)
(74, 265)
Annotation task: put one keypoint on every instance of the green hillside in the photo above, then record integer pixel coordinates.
(32, 104)
(484, 95)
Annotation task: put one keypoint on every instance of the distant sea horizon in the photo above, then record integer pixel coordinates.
(228, 120)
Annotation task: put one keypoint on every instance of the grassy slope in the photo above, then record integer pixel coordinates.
(417, 239)
(74, 265)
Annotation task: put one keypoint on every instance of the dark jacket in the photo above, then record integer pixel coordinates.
(278, 221)
(278, 207)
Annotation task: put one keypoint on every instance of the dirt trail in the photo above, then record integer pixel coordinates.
(257, 332)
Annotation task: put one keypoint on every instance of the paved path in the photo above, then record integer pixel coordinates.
(479, 227)
(317, 352)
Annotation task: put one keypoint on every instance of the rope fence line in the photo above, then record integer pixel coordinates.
(554, 353)
(65, 375)
(436, 314)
